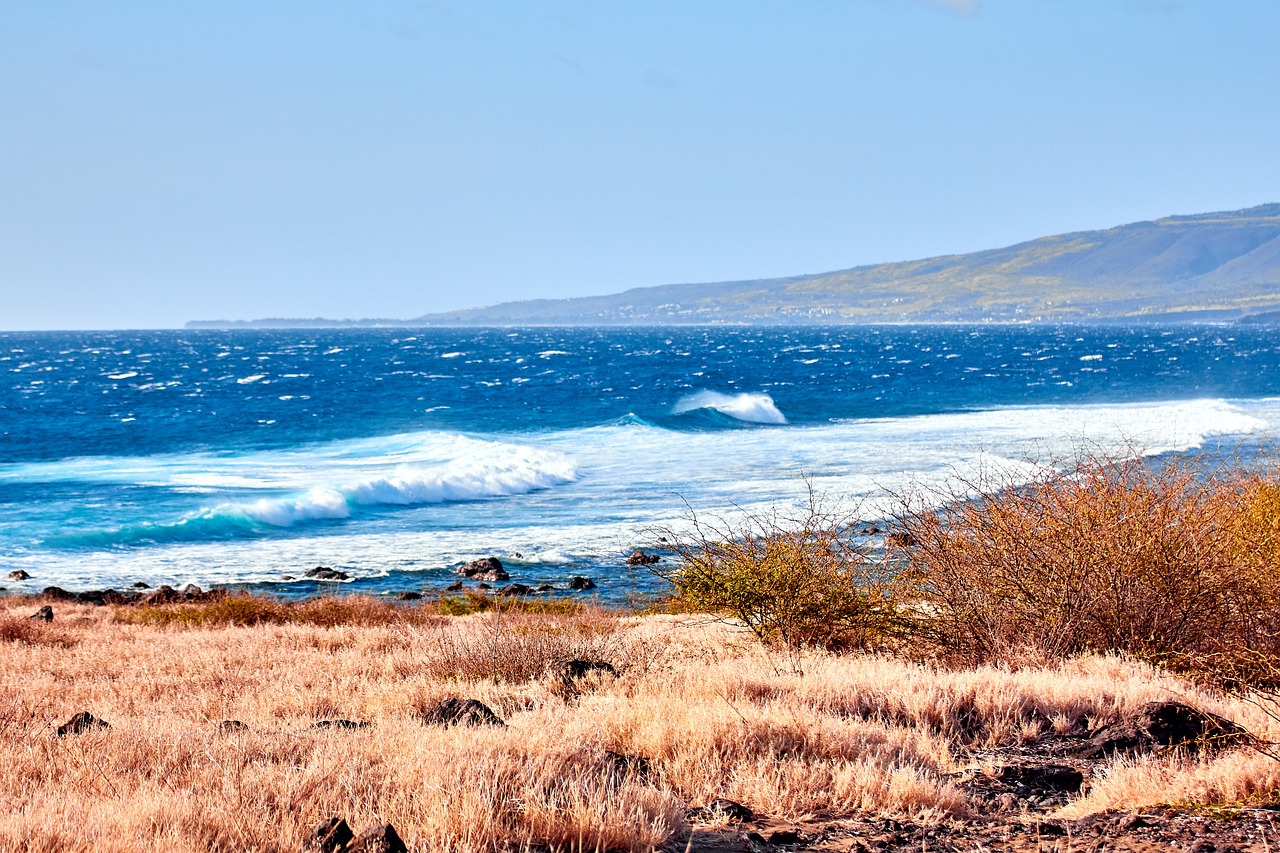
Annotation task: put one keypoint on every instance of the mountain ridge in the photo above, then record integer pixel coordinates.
(1219, 266)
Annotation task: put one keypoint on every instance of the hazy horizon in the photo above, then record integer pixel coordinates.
(164, 164)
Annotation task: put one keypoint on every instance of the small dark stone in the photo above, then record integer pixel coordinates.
(581, 583)
(82, 722)
(324, 573)
(19, 575)
(288, 578)
(409, 596)
(100, 597)
(1044, 777)
(640, 558)
(731, 810)
(57, 593)
(784, 837)
(44, 614)
(141, 585)
(483, 586)
(329, 836)
(754, 842)
(232, 726)
(461, 712)
(379, 839)
(635, 765)
(574, 669)
(1054, 829)
(456, 586)
(485, 569)
(340, 724)
(164, 595)
(515, 589)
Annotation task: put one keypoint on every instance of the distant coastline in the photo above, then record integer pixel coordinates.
(1205, 268)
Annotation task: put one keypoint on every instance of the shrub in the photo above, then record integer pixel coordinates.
(794, 582)
(1106, 555)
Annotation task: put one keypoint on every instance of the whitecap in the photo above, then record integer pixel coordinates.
(756, 408)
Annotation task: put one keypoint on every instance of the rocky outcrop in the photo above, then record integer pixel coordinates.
(19, 575)
(1162, 725)
(485, 569)
(640, 558)
(581, 583)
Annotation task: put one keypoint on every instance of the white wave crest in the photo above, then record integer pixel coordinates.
(756, 408)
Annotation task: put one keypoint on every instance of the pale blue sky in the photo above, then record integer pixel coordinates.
(164, 161)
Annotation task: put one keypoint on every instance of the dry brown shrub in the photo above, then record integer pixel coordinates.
(516, 647)
(1103, 555)
(34, 632)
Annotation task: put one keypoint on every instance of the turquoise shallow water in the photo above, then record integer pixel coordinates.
(236, 457)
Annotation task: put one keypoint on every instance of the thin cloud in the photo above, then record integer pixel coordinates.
(960, 7)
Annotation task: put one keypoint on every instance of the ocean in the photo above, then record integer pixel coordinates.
(236, 458)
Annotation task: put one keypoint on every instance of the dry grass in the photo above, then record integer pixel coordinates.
(708, 710)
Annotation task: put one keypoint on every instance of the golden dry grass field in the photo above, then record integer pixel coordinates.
(697, 711)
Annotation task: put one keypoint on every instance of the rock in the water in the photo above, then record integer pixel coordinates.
(288, 578)
(581, 583)
(340, 724)
(57, 593)
(515, 589)
(379, 839)
(461, 712)
(44, 614)
(1158, 725)
(485, 569)
(544, 587)
(191, 589)
(324, 573)
(456, 586)
(483, 586)
(574, 669)
(19, 575)
(640, 558)
(140, 585)
(329, 836)
(409, 596)
(82, 722)
(232, 726)
(901, 538)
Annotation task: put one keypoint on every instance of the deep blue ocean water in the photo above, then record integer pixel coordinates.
(237, 457)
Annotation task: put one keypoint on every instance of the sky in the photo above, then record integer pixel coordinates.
(239, 159)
